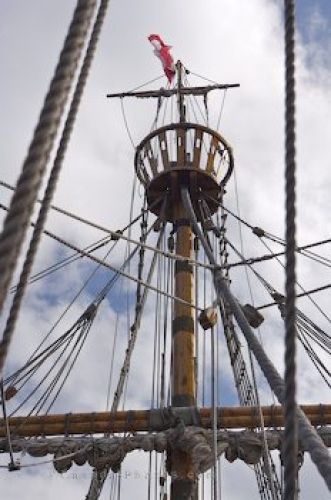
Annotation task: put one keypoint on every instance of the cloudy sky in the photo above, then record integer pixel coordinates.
(227, 41)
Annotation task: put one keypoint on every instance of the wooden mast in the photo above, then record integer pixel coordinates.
(183, 479)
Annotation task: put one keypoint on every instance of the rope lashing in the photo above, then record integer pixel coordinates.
(54, 175)
(111, 451)
(34, 166)
(310, 439)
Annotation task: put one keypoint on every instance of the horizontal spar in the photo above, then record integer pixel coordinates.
(162, 92)
(155, 420)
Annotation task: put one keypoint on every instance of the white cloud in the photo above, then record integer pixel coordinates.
(229, 41)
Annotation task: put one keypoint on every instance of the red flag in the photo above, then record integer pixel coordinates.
(161, 50)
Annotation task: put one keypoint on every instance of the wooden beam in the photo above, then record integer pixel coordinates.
(155, 420)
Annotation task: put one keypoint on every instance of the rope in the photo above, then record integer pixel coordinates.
(54, 175)
(118, 235)
(147, 83)
(302, 323)
(267, 458)
(137, 280)
(111, 451)
(12, 465)
(51, 349)
(130, 277)
(126, 124)
(202, 77)
(312, 255)
(65, 341)
(134, 330)
(272, 291)
(34, 167)
(308, 435)
(46, 462)
(266, 476)
(259, 232)
(214, 411)
(97, 480)
(66, 261)
(290, 452)
(279, 298)
(12, 378)
(82, 219)
(221, 110)
(82, 340)
(300, 286)
(85, 252)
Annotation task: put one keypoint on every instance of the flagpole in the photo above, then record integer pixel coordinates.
(180, 96)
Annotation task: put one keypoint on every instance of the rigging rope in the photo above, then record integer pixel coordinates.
(307, 433)
(301, 250)
(117, 235)
(11, 466)
(147, 83)
(279, 298)
(67, 261)
(13, 378)
(79, 218)
(267, 464)
(314, 332)
(259, 232)
(130, 277)
(221, 110)
(54, 174)
(126, 124)
(78, 328)
(34, 166)
(98, 478)
(266, 476)
(301, 288)
(299, 295)
(42, 356)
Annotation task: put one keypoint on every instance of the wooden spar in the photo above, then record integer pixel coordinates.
(155, 420)
(196, 91)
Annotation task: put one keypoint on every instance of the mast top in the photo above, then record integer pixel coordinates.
(162, 92)
(182, 152)
(179, 89)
